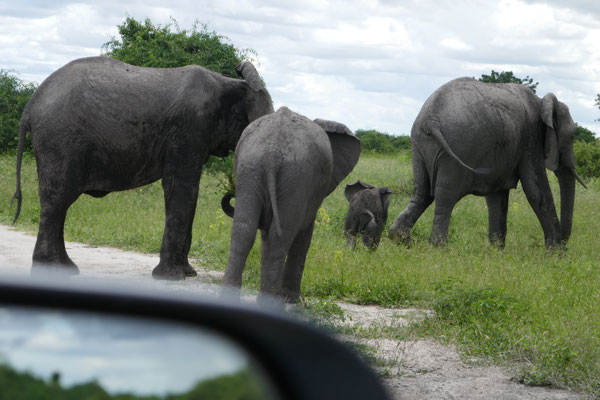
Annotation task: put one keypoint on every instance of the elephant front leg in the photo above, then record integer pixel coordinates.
(180, 206)
(497, 204)
(537, 189)
(49, 253)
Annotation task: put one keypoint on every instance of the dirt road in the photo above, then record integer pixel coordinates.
(419, 369)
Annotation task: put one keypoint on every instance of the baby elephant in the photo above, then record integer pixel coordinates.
(285, 165)
(367, 213)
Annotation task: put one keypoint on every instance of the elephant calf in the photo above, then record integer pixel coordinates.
(285, 165)
(367, 213)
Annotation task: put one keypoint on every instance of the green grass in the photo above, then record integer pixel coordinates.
(523, 304)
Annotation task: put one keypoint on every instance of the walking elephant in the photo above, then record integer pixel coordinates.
(285, 165)
(99, 125)
(478, 138)
(367, 213)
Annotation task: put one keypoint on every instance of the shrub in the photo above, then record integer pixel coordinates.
(14, 95)
(382, 143)
(587, 155)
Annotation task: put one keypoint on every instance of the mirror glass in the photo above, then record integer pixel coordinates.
(83, 355)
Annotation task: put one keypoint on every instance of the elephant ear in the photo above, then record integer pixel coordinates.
(547, 112)
(353, 188)
(345, 148)
(385, 194)
(250, 74)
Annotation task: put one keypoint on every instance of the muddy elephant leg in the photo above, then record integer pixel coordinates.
(50, 252)
(294, 265)
(497, 204)
(538, 192)
(181, 193)
(421, 199)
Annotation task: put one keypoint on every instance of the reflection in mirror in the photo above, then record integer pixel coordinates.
(65, 354)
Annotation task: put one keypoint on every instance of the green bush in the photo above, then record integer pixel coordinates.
(382, 143)
(587, 155)
(14, 95)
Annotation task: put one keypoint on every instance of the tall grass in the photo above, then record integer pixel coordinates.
(523, 304)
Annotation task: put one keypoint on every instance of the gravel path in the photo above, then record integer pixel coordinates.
(420, 369)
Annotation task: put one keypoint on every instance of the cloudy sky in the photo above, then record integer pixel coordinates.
(370, 64)
(122, 354)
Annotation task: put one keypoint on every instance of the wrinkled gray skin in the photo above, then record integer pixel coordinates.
(367, 213)
(478, 138)
(99, 125)
(285, 165)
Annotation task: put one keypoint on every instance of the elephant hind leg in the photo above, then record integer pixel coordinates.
(49, 253)
(420, 200)
(294, 265)
(497, 204)
(445, 200)
(274, 251)
(243, 234)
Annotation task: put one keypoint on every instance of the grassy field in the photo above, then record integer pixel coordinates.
(522, 305)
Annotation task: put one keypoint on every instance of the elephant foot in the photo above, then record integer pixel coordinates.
(269, 301)
(189, 271)
(230, 294)
(169, 272)
(58, 267)
(399, 235)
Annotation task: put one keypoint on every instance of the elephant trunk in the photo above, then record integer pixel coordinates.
(566, 179)
(228, 209)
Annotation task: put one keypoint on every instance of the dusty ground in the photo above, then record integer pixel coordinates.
(418, 369)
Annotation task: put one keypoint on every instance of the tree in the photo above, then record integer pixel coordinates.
(148, 45)
(584, 134)
(597, 102)
(14, 95)
(508, 77)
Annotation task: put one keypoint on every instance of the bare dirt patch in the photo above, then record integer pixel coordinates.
(422, 369)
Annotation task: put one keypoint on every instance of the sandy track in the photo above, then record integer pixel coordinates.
(420, 369)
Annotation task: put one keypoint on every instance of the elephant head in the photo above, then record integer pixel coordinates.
(559, 157)
(367, 213)
(249, 101)
(260, 102)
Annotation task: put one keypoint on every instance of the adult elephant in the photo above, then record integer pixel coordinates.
(99, 125)
(285, 165)
(478, 138)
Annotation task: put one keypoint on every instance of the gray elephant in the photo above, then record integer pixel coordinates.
(478, 138)
(367, 213)
(99, 125)
(285, 165)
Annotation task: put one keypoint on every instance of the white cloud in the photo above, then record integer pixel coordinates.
(378, 55)
(455, 44)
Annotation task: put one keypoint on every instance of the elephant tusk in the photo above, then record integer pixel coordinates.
(578, 178)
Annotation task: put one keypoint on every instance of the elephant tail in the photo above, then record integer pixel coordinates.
(226, 206)
(432, 127)
(24, 127)
(271, 187)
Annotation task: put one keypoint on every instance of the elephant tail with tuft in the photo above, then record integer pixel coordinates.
(271, 187)
(432, 127)
(226, 206)
(23, 128)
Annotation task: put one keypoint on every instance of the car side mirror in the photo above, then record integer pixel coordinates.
(159, 344)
